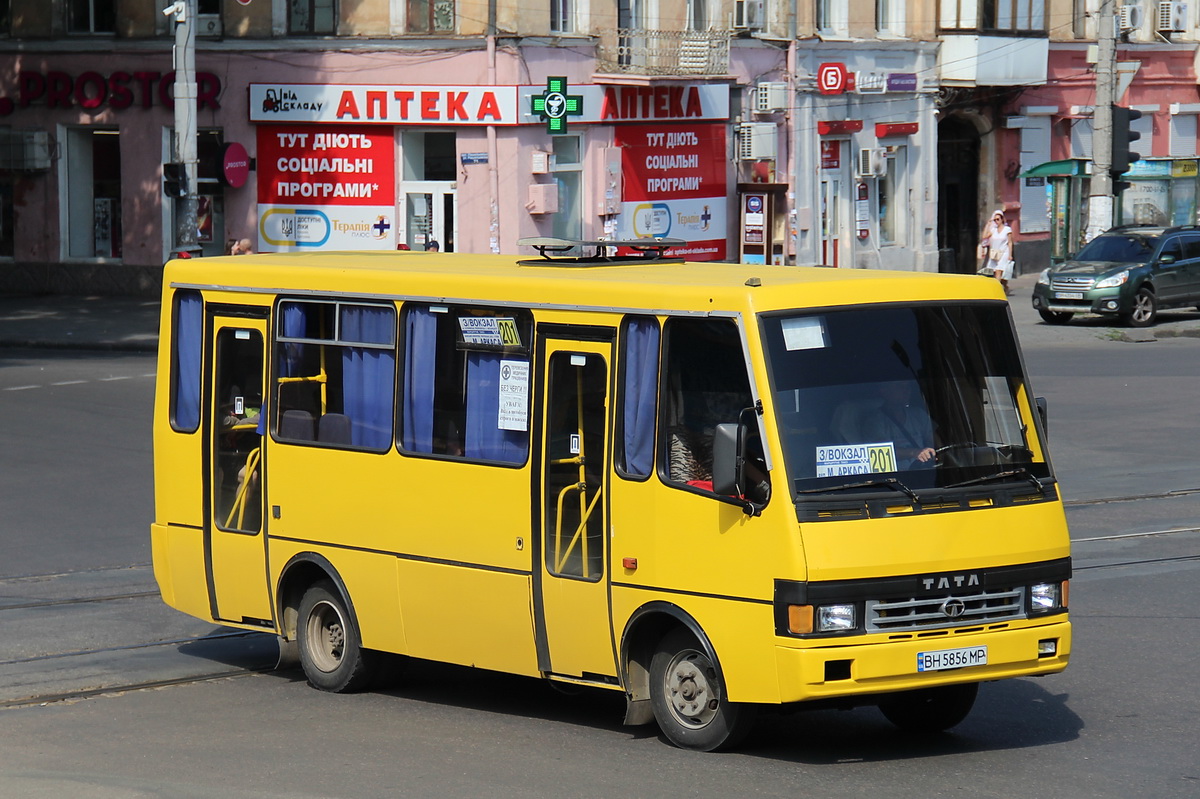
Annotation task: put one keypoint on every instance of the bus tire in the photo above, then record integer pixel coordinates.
(689, 700)
(930, 709)
(331, 651)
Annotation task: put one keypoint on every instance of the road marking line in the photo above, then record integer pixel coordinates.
(20, 388)
(1136, 535)
(110, 379)
(69, 383)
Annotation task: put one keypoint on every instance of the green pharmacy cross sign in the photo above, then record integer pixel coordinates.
(554, 105)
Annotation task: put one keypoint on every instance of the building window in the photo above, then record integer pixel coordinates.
(93, 193)
(993, 16)
(312, 16)
(833, 16)
(432, 16)
(889, 17)
(568, 172)
(5, 18)
(697, 15)
(90, 16)
(562, 16)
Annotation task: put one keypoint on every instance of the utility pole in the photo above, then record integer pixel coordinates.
(1100, 203)
(183, 13)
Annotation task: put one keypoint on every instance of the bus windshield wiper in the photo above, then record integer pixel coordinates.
(884, 482)
(987, 478)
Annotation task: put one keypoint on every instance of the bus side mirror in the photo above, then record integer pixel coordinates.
(1040, 402)
(728, 459)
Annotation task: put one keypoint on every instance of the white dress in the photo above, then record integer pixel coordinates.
(998, 242)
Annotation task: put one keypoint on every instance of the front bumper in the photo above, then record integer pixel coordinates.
(830, 672)
(1097, 301)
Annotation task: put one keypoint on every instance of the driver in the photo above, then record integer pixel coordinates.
(904, 422)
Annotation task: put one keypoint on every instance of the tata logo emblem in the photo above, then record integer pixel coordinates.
(833, 78)
(954, 608)
(554, 105)
(945, 582)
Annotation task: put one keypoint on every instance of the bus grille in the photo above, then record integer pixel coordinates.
(926, 613)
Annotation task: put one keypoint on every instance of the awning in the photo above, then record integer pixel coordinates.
(1069, 166)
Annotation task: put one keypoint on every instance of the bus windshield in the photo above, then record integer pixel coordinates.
(920, 397)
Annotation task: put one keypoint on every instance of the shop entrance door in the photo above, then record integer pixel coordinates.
(429, 214)
(831, 220)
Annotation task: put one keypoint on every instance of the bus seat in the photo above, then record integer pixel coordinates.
(334, 428)
(297, 425)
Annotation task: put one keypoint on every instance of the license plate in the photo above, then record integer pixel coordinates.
(1068, 295)
(952, 658)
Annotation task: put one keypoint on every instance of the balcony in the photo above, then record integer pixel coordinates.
(640, 51)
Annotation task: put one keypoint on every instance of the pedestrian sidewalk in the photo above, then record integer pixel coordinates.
(127, 324)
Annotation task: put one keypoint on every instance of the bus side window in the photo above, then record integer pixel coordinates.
(705, 385)
(456, 359)
(336, 365)
(638, 396)
(186, 352)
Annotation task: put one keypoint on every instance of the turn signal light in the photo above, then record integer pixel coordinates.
(800, 619)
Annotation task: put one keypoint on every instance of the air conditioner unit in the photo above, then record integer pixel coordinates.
(771, 97)
(1172, 16)
(208, 25)
(756, 141)
(1130, 17)
(25, 150)
(871, 163)
(748, 14)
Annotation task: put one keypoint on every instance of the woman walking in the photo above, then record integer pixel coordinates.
(997, 241)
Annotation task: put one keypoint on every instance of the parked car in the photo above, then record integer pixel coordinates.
(1129, 272)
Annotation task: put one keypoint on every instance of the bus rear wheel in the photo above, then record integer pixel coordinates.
(688, 697)
(331, 652)
(930, 709)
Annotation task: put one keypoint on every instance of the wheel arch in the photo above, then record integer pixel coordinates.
(648, 625)
(302, 571)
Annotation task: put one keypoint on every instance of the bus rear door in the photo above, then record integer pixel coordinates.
(571, 591)
(235, 549)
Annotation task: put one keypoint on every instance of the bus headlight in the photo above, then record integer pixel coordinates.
(1045, 597)
(836, 618)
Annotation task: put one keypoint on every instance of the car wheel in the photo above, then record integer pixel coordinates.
(688, 697)
(1145, 309)
(930, 709)
(331, 650)
(1055, 317)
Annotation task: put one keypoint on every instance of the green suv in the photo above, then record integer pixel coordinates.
(1128, 272)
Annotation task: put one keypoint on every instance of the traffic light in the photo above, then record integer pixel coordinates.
(175, 180)
(1122, 137)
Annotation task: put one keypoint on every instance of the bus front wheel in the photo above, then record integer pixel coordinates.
(331, 651)
(688, 697)
(930, 709)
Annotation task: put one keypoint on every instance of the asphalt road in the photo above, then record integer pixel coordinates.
(81, 618)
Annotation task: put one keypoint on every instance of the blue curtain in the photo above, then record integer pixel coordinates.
(368, 375)
(291, 324)
(484, 438)
(640, 392)
(189, 348)
(416, 413)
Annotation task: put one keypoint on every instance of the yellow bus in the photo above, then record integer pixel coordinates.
(712, 487)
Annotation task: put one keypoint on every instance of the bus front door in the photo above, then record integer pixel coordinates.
(235, 550)
(574, 631)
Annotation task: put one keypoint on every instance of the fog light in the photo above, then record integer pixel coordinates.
(1047, 647)
(1111, 305)
(835, 618)
(1044, 597)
